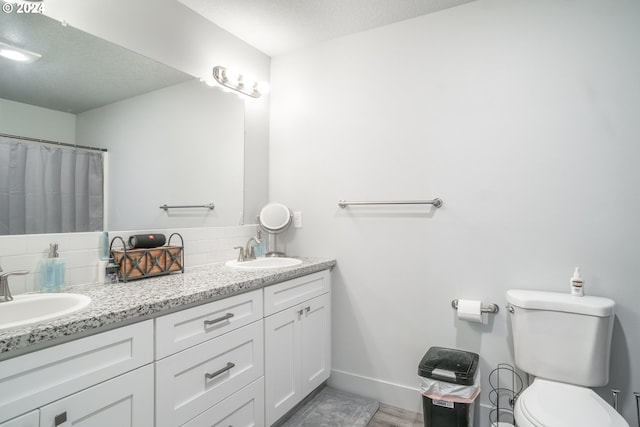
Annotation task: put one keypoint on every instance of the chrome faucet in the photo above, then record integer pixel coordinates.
(248, 252)
(5, 291)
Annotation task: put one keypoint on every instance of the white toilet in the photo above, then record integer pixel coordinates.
(565, 342)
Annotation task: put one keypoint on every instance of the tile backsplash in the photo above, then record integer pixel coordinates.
(80, 251)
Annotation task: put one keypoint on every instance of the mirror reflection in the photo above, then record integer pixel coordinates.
(170, 138)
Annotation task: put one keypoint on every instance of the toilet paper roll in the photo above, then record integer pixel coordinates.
(470, 310)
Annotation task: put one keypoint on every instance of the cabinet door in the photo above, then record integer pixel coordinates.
(316, 342)
(123, 401)
(283, 367)
(27, 420)
(244, 408)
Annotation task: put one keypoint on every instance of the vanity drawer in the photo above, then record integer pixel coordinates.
(37, 378)
(186, 328)
(195, 379)
(287, 294)
(243, 408)
(123, 401)
(32, 419)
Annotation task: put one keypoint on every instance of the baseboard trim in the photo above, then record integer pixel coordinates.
(401, 396)
(398, 395)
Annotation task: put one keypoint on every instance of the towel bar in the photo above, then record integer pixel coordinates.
(166, 207)
(435, 202)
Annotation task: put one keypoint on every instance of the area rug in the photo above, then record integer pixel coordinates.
(334, 408)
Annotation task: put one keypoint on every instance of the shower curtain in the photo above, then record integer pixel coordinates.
(49, 189)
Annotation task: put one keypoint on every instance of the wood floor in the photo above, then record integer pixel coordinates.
(390, 416)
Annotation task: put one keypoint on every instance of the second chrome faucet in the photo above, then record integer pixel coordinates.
(248, 252)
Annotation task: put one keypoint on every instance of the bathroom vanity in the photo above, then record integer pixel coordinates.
(191, 349)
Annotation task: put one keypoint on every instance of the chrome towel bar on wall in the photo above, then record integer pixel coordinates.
(435, 202)
(166, 207)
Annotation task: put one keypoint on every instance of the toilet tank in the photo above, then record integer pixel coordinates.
(562, 337)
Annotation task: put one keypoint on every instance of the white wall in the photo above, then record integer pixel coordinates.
(17, 118)
(523, 117)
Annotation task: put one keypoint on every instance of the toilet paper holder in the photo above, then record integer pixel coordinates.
(491, 308)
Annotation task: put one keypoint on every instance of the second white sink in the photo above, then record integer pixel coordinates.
(28, 309)
(264, 263)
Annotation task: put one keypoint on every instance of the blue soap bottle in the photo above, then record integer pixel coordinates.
(52, 271)
(260, 252)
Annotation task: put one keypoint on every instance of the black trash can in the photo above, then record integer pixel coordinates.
(450, 380)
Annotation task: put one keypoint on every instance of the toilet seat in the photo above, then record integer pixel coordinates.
(552, 404)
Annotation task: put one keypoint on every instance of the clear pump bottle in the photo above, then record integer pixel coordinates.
(52, 271)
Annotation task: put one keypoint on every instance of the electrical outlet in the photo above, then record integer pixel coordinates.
(297, 219)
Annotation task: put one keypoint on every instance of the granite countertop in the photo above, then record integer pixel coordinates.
(120, 304)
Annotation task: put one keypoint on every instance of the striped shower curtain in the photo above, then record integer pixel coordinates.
(49, 189)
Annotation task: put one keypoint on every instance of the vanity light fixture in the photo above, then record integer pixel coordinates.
(243, 83)
(18, 54)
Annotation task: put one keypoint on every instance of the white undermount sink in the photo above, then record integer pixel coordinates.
(264, 263)
(28, 309)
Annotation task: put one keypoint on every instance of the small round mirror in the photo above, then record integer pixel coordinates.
(275, 217)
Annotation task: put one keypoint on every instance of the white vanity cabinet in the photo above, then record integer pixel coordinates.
(221, 353)
(30, 419)
(242, 360)
(297, 341)
(57, 383)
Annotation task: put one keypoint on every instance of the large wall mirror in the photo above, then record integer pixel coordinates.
(170, 138)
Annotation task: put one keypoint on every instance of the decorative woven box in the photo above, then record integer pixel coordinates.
(142, 263)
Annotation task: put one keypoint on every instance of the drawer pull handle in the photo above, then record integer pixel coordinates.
(307, 309)
(219, 371)
(60, 419)
(218, 320)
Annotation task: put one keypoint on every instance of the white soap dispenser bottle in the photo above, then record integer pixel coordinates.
(577, 284)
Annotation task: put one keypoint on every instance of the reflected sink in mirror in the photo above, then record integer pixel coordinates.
(264, 263)
(28, 309)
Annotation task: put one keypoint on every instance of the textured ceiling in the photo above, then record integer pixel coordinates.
(77, 71)
(280, 26)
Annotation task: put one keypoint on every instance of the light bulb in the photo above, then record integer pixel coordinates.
(247, 82)
(231, 75)
(263, 88)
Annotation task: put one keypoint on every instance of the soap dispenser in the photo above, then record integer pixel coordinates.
(577, 284)
(52, 271)
(260, 251)
(103, 260)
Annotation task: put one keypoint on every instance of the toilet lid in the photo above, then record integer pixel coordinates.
(550, 404)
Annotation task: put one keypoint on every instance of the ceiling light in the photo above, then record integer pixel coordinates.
(17, 54)
(243, 83)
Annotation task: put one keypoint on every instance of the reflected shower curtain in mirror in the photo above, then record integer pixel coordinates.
(49, 189)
